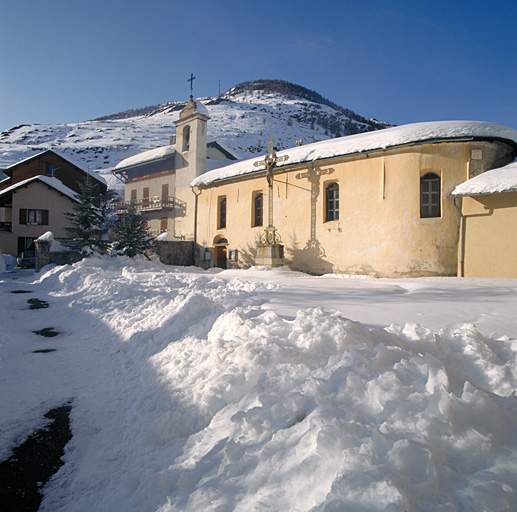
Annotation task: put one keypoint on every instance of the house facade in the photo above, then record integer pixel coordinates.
(35, 196)
(158, 181)
(377, 203)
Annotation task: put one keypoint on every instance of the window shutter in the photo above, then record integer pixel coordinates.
(44, 217)
(23, 216)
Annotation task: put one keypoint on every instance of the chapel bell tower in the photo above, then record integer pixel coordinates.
(191, 142)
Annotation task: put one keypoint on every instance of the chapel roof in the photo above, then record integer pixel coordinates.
(398, 136)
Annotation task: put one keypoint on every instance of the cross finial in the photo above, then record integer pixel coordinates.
(191, 80)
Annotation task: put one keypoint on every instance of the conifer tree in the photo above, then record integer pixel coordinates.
(131, 234)
(88, 221)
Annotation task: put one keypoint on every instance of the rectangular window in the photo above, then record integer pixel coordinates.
(165, 192)
(430, 192)
(51, 169)
(221, 213)
(25, 244)
(145, 200)
(258, 209)
(163, 224)
(332, 202)
(36, 217)
(133, 196)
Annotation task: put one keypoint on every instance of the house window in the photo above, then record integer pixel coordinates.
(430, 188)
(186, 138)
(145, 200)
(51, 169)
(133, 195)
(332, 202)
(258, 209)
(36, 217)
(221, 213)
(165, 193)
(163, 224)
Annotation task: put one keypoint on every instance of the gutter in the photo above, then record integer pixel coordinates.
(195, 225)
(461, 270)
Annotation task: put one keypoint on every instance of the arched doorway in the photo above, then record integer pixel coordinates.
(220, 252)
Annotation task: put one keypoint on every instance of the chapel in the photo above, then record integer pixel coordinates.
(379, 203)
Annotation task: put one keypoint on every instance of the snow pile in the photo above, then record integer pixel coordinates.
(7, 261)
(55, 246)
(496, 181)
(370, 141)
(190, 394)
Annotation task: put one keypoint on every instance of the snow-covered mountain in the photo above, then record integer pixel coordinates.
(243, 119)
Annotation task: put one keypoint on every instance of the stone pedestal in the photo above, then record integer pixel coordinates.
(270, 255)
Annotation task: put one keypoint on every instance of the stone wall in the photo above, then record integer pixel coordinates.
(176, 253)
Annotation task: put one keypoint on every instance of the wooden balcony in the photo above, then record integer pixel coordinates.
(155, 203)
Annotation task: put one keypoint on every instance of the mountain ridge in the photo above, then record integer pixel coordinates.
(243, 118)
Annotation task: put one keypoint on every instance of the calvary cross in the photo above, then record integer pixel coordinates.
(270, 235)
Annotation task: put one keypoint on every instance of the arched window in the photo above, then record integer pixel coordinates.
(258, 209)
(186, 138)
(430, 192)
(332, 202)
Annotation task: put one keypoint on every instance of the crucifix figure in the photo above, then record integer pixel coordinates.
(191, 80)
(270, 235)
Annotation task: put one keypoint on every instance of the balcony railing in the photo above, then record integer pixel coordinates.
(6, 226)
(149, 204)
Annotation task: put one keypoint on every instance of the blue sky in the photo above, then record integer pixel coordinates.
(65, 61)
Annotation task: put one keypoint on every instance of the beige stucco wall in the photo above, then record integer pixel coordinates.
(36, 196)
(379, 231)
(490, 235)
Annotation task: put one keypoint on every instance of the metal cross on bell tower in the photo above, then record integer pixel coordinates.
(270, 235)
(191, 80)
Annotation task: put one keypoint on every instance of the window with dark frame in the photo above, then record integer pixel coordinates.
(258, 209)
(51, 169)
(35, 217)
(430, 192)
(221, 214)
(332, 202)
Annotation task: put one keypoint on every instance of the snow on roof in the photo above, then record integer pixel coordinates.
(147, 156)
(370, 141)
(51, 182)
(495, 181)
(64, 156)
(201, 109)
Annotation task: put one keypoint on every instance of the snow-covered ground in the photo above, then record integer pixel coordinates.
(265, 390)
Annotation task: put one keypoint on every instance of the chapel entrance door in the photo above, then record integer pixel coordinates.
(221, 259)
(220, 252)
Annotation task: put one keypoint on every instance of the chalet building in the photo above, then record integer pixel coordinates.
(158, 181)
(34, 197)
(376, 203)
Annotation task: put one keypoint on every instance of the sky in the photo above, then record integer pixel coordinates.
(66, 61)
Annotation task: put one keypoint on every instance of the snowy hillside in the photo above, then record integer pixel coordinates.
(264, 390)
(243, 119)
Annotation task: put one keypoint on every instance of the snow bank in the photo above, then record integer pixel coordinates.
(197, 398)
(369, 141)
(496, 181)
(7, 261)
(55, 246)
